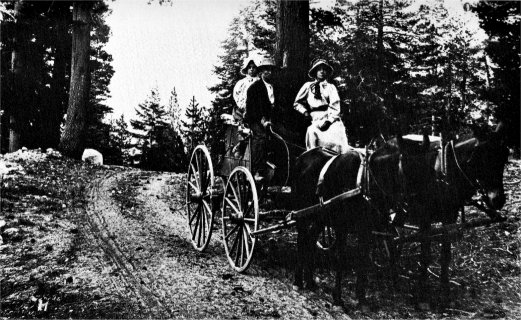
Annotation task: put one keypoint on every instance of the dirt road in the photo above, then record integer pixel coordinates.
(148, 243)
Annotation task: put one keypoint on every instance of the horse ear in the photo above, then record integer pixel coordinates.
(500, 128)
(499, 132)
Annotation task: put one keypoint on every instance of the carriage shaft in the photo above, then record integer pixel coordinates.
(451, 230)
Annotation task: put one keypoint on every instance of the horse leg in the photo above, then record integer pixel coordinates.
(301, 251)
(309, 264)
(444, 277)
(364, 246)
(425, 259)
(341, 234)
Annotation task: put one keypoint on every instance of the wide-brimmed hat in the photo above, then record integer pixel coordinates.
(316, 63)
(267, 63)
(245, 65)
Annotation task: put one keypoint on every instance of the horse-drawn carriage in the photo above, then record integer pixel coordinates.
(404, 180)
(229, 188)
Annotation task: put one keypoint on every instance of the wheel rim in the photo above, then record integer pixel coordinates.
(199, 206)
(240, 216)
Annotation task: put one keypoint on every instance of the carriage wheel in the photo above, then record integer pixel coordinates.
(327, 238)
(199, 204)
(240, 217)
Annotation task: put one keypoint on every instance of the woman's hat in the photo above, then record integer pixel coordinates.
(316, 63)
(266, 63)
(245, 65)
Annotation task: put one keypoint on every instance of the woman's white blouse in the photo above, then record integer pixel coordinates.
(306, 101)
(240, 89)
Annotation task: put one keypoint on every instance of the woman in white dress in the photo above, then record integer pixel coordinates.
(318, 101)
(249, 70)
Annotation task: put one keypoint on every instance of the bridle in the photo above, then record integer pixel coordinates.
(474, 183)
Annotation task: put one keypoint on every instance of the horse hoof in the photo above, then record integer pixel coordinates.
(424, 306)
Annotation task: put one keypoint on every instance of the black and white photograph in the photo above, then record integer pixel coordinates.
(260, 159)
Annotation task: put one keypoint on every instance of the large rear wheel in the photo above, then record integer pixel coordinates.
(199, 203)
(240, 217)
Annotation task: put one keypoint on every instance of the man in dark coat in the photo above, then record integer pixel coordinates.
(260, 106)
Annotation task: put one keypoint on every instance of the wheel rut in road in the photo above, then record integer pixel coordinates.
(150, 244)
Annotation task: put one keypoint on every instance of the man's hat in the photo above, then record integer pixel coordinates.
(266, 63)
(316, 63)
(245, 65)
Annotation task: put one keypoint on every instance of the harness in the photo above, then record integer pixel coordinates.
(447, 174)
(359, 182)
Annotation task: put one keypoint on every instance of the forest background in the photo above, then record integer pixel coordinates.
(399, 61)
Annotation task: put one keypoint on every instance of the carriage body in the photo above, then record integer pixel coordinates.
(229, 189)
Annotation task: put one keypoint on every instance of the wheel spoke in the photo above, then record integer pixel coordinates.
(252, 220)
(200, 221)
(196, 225)
(193, 186)
(237, 198)
(207, 207)
(195, 175)
(232, 205)
(249, 232)
(195, 213)
(249, 208)
(245, 239)
(234, 244)
(231, 231)
(239, 247)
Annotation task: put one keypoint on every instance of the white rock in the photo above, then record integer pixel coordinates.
(92, 156)
(3, 168)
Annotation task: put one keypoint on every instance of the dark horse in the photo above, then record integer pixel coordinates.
(469, 165)
(393, 172)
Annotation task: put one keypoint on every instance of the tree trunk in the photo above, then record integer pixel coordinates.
(292, 54)
(18, 83)
(72, 140)
(51, 127)
(380, 48)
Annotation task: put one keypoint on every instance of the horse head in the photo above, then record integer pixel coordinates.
(484, 164)
(401, 169)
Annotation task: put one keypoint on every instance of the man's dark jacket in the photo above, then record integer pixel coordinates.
(258, 105)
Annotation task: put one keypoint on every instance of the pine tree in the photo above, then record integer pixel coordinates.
(174, 111)
(151, 118)
(195, 127)
(120, 141)
(501, 20)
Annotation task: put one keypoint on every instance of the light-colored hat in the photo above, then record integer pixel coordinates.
(316, 63)
(267, 63)
(245, 65)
